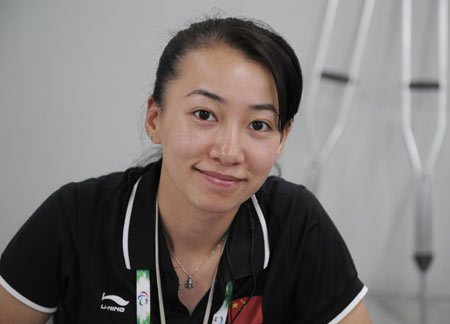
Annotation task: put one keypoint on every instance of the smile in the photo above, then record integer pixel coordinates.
(219, 179)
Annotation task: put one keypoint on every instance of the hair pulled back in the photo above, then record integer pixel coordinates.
(254, 40)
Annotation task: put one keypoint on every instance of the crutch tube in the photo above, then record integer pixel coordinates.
(346, 105)
(424, 172)
(324, 42)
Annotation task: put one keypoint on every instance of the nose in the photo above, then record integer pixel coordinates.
(227, 146)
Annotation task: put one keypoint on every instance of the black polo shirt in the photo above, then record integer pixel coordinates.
(80, 252)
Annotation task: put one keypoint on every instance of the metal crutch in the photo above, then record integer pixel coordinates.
(319, 63)
(321, 156)
(424, 172)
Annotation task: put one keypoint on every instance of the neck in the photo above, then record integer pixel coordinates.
(190, 231)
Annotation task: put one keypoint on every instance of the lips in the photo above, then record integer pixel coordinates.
(220, 179)
(220, 176)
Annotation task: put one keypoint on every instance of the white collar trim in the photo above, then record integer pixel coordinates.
(262, 221)
(126, 225)
(126, 228)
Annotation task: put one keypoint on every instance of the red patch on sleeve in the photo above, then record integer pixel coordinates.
(247, 312)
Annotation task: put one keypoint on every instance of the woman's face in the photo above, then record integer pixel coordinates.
(218, 130)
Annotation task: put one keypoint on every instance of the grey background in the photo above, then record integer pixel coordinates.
(74, 78)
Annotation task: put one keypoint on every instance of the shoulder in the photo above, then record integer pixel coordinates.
(82, 204)
(295, 214)
(96, 192)
(289, 202)
(103, 185)
(280, 191)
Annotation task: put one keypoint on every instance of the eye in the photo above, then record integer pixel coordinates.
(204, 115)
(259, 126)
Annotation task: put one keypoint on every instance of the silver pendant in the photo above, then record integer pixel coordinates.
(189, 283)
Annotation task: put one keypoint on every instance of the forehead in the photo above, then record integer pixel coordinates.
(226, 72)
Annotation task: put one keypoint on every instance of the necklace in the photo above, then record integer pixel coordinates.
(158, 277)
(189, 283)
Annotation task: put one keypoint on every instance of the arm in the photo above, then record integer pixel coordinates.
(358, 315)
(14, 311)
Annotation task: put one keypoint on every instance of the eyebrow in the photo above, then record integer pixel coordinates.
(218, 98)
(207, 94)
(265, 107)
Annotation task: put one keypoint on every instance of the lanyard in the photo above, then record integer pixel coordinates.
(143, 294)
(221, 315)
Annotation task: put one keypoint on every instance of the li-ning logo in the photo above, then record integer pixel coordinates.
(118, 300)
(143, 298)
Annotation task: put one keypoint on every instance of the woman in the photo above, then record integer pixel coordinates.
(203, 235)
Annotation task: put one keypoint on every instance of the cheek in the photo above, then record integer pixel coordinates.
(184, 142)
(262, 156)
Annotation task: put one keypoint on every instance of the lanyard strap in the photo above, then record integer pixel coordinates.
(158, 275)
(158, 280)
(220, 317)
(143, 296)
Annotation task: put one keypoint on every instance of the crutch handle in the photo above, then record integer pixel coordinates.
(424, 85)
(335, 76)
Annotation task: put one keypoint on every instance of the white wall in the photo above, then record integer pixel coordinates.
(74, 77)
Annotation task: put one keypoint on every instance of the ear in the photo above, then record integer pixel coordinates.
(283, 139)
(152, 120)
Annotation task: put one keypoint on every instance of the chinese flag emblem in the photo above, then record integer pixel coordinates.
(249, 313)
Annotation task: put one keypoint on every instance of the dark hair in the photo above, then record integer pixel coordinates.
(254, 40)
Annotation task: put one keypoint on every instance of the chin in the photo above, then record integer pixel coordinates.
(218, 206)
